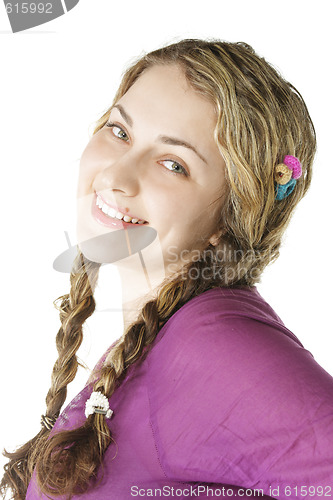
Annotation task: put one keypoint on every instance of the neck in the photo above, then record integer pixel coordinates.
(140, 276)
(136, 286)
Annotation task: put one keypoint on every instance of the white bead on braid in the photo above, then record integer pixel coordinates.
(98, 403)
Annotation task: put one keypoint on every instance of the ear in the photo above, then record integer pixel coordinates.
(215, 238)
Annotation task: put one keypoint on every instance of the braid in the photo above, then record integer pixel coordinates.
(67, 460)
(74, 309)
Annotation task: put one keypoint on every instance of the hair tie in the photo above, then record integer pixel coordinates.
(98, 403)
(285, 176)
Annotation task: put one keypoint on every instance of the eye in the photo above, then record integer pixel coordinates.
(118, 131)
(174, 167)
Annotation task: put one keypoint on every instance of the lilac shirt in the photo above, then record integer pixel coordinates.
(227, 397)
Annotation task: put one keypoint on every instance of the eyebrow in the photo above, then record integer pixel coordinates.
(123, 113)
(173, 141)
(178, 142)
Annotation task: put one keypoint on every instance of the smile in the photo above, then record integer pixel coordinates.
(114, 214)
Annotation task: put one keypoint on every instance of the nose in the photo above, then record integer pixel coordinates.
(121, 174)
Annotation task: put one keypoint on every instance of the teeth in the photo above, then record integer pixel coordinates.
(111, 212)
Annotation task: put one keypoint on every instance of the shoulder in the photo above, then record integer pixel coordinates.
(233, 345)
(226, 373)
(225, 315)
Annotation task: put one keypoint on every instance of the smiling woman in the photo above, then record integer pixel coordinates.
(209, 148)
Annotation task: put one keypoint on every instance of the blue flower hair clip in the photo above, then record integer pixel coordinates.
(285, 176)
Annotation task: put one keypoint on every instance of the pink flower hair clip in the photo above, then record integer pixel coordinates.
(285, 176)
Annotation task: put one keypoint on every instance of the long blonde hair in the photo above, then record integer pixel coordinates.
(261, 118)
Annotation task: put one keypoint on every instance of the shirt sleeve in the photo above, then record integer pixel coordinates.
(236, 401)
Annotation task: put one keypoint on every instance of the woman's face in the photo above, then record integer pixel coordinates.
(155, 160)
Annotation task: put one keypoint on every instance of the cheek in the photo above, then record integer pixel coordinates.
(162, 203)
(177, 211)
(89, 157)
(83, 182)
(88, 168)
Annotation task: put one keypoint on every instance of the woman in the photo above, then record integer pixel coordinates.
(206, 150)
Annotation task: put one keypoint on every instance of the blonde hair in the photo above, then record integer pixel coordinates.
(261, 118)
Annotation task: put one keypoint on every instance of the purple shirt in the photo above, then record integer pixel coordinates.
(227, 397)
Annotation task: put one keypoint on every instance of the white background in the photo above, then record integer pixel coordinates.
(56, 80)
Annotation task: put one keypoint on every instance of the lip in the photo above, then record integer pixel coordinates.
(108, 221)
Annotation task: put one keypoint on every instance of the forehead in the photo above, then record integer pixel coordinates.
(163, 93)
